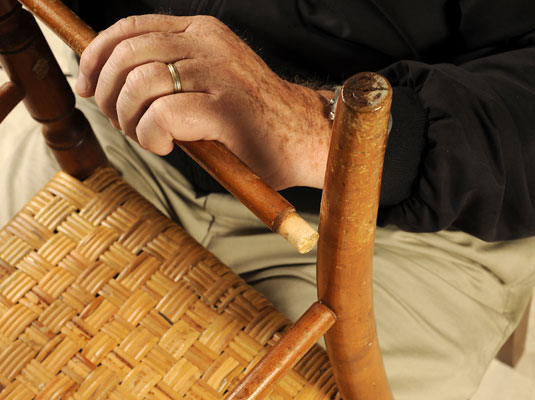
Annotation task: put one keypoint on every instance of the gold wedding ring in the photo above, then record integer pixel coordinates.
(176, 78)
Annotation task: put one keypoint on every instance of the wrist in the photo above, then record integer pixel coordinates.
(309, 158)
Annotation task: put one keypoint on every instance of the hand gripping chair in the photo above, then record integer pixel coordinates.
(101, 296)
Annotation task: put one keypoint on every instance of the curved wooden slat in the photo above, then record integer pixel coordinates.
(347, 229)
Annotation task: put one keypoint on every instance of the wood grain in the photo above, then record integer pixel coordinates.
(347, 229)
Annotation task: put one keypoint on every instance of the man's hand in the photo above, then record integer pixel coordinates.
(281, 130)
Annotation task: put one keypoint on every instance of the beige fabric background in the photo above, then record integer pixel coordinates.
(445, 302)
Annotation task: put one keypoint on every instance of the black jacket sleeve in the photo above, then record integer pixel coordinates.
(462, 151)
(477, 166)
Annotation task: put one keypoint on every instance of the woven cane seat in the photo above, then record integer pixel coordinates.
(101, 296)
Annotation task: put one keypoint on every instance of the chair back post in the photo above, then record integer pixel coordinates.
(31, 66)
(347, 230)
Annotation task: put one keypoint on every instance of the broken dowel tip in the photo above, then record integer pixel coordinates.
(298, 232)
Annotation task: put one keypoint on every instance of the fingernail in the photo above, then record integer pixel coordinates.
(82, 85)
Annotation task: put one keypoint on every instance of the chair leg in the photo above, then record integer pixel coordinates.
(513, 349)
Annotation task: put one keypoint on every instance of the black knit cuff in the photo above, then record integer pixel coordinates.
(405, 146)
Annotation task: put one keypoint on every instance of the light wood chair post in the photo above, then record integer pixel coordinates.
(347, 230)
(348, 215)
(33, 69)
(345, 253)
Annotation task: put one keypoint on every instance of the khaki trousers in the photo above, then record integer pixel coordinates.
(445, 302)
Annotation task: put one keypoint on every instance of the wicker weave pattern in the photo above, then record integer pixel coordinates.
(103, 297)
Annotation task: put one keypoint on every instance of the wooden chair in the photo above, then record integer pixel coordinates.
(103, 297)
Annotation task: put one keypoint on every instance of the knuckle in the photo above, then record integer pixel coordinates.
(136, 81)
(206, 19)
(159, 113)
(128, 24)
(124, 50)
(143, 138)
(209, 22)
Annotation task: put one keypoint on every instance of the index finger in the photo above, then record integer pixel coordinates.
(99, 50)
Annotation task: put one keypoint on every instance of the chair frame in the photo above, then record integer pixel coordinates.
(359, 137)
(348, 212)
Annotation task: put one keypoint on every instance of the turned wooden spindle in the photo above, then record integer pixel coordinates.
(31, 66)
(347, 229)
(268, 205)
(10, 96)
